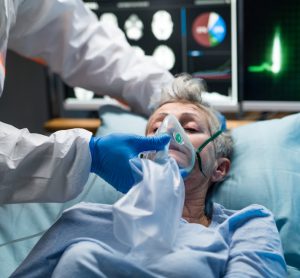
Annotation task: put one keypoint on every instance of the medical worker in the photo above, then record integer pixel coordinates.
(68, 38)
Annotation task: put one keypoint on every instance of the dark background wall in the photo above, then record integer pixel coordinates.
(24, 102)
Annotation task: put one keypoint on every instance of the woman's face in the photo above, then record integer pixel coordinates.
(194, 122)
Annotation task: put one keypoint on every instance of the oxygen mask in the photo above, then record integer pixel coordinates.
(180, 147)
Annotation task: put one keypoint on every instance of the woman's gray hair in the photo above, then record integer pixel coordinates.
(186, 89)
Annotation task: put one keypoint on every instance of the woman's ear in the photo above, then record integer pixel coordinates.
(221, 170)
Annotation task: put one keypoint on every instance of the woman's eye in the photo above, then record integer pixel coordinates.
(190, 130)
(152, 130)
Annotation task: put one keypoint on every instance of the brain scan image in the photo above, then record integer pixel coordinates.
(138, 50)
(162, 25)
(134, 27)
(164, 56)
(109, 18)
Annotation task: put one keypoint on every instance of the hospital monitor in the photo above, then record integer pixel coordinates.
(197, 37)
(269, 56)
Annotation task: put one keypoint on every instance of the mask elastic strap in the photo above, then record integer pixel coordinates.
(213, 137)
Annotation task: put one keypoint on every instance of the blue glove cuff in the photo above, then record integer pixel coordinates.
(92, 150)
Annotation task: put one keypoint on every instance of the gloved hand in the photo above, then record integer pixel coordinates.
(111, 155)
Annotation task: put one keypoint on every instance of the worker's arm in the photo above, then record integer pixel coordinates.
(85, 52)
(37, 168)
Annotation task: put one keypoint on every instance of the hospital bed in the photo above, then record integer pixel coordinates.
(265, 170)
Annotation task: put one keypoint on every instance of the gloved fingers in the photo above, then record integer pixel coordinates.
(111, 155)
(152, 143)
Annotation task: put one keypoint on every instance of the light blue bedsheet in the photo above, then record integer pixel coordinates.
(22, 225)
(228, 248)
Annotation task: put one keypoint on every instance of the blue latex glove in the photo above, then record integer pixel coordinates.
(111, 155)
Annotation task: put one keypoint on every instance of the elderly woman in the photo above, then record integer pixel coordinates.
(211, 241)
(183, 100)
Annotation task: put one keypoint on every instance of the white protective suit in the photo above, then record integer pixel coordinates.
(85, 53)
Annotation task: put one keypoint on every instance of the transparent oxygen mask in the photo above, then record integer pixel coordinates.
(180, 147)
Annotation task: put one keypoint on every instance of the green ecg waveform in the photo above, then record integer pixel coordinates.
(276, 60)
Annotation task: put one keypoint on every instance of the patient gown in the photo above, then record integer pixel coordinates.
(92, 240)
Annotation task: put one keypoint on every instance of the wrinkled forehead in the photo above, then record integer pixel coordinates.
(182, 111)
(179, 108)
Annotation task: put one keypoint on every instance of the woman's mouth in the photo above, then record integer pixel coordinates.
(181, 158)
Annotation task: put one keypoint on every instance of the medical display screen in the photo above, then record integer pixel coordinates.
(269, 50)
(208, 53)
(152, 31)
(182, 36)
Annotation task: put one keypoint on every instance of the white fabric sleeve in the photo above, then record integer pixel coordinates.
(38, 168)
(86, 52)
